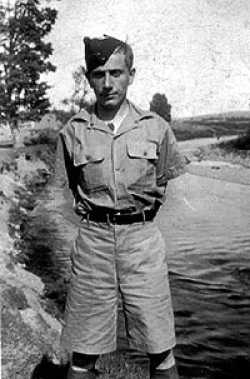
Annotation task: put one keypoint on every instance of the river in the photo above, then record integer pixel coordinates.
(206, 225)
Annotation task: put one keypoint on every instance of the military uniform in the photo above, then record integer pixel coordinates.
(118, 182)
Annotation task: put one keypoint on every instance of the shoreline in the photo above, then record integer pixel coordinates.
(216, 159)
(30, 329)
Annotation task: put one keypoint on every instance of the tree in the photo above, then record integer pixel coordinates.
(24, 57)
(81, 97)
(159, 104)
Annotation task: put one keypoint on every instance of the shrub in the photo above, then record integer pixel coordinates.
(42, 137)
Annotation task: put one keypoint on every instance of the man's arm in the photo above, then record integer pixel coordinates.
(171, 162)
(65, 175)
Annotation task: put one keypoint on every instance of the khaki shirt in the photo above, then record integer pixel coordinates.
(126, 170)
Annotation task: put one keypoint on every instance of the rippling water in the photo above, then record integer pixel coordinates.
(206, 225)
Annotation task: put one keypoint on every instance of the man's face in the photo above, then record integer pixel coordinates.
(110, 81)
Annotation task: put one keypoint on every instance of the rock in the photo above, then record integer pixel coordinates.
(29, 332)
(26, 338)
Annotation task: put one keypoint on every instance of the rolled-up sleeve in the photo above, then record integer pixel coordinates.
(171, 163)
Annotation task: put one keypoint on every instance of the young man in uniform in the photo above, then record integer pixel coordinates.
(118, 160)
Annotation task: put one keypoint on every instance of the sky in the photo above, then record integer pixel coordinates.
(196, 52)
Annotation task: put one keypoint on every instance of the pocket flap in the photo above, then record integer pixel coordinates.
(146, 150)
(89, 155)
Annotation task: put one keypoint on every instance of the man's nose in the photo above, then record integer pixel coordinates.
(107, 81)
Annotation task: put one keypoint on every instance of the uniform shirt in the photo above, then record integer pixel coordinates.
(128, 170)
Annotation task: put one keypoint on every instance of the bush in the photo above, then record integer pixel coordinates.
(42, 137)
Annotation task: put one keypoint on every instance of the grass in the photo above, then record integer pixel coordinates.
(236, 151)
(213, 126)
(118, 366)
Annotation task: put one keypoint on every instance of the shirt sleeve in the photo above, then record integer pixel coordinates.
(65, 175)
(171, 162)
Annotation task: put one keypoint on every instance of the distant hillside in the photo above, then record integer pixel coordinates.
(213, 125)
(219, 116)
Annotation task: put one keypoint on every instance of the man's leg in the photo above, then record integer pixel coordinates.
(162, 366)
(147, 304)
(82, 366)
(91, 307)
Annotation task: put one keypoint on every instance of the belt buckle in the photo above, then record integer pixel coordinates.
(114, 218)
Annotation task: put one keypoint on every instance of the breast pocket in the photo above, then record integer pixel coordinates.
(142, 163)
(90, 165)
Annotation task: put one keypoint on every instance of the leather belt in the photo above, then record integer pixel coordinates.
(120, 218)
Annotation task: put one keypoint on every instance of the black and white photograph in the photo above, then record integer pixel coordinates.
(125, 189)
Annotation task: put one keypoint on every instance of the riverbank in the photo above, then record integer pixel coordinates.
(28, 330)
(226, 159)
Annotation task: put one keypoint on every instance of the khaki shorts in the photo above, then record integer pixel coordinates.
(107, 259)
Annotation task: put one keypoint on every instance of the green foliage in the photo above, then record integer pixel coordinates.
(23, 58)
(159, 104)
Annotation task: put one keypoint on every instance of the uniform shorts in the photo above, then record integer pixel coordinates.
(112, 259)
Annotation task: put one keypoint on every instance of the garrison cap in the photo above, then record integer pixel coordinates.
(98, 50)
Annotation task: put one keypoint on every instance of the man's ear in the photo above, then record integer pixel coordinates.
(132, 75)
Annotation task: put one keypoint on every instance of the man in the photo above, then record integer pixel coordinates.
(118, 161)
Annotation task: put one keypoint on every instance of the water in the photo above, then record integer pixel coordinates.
(206, 225)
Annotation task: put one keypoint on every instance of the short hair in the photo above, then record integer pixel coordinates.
(126, 49)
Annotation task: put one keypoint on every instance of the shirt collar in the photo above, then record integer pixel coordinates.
(135, 114)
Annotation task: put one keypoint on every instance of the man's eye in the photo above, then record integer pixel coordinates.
(97, 75)
(116, 73)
